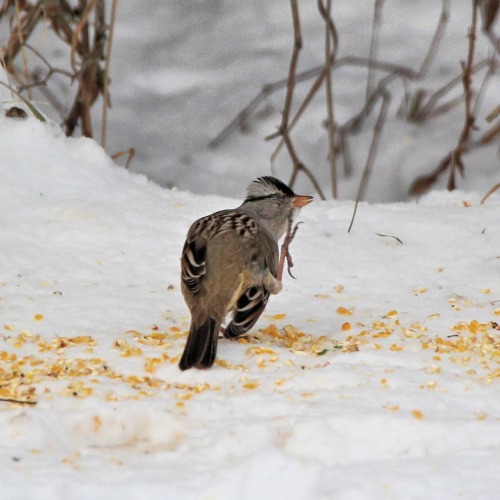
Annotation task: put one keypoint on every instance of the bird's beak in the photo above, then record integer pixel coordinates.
(300, 201)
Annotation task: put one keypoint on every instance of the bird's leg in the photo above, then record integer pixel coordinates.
(285, 254)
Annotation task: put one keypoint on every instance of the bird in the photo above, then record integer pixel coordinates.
(229, 264)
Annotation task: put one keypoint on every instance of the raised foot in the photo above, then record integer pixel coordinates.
(272, 284)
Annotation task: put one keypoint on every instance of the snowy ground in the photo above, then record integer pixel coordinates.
(375, 374)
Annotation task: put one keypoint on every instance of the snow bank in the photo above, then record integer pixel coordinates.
(373, 375)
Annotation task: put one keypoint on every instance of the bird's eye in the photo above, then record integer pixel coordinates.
(277, 196)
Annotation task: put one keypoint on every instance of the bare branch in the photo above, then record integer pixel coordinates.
(496, 187)
(105, 98)
(377, 131)
(436, 39)
(431, 103)
(377, 16)
(298, 165)
(453, 160)
(18, 401)
(330, 32)
(317, 71)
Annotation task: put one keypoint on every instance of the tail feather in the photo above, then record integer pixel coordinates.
(201, 346)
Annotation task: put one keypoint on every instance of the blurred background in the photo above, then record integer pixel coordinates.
(180, 72)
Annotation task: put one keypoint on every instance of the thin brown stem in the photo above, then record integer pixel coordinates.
(431, 103)
(453, 160)
(329, 32)
(377, 17)
(422, 183)
(346, 153)
(496, 187)
(22, 31)
(319, 73)
(353, 215)
(377, 132)
(312, 92)
(445, 107)
(469, 119)
(489, 135)
(130, 153)
(18, 401)
(492, 67)
(283, 129)
(80, 30)
(105, 97)
(436, 39)
(23, 51)
(297, 46)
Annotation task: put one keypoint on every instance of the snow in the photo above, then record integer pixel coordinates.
(374, 374)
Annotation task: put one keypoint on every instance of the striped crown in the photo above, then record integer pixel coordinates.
(266, 186)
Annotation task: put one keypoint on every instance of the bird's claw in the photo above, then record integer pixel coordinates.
(286, 243)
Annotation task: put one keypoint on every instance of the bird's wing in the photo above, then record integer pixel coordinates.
(252, 302)
(193, 265)
(248, 310)
(193, 259)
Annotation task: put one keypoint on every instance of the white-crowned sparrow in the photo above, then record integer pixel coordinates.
(229, 264)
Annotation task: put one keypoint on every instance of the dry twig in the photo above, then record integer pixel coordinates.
(436, 39)
(317, 71)
(18, 401)
(105, 97)
(130, 152)
(496, 187)
(330, 33)
(377, 16)
(377, 132)
(283, 129)
(85, 39)
(453, 160)
(430, 108)
(420, 109)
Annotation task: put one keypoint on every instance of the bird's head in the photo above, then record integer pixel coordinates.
(274, 203)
